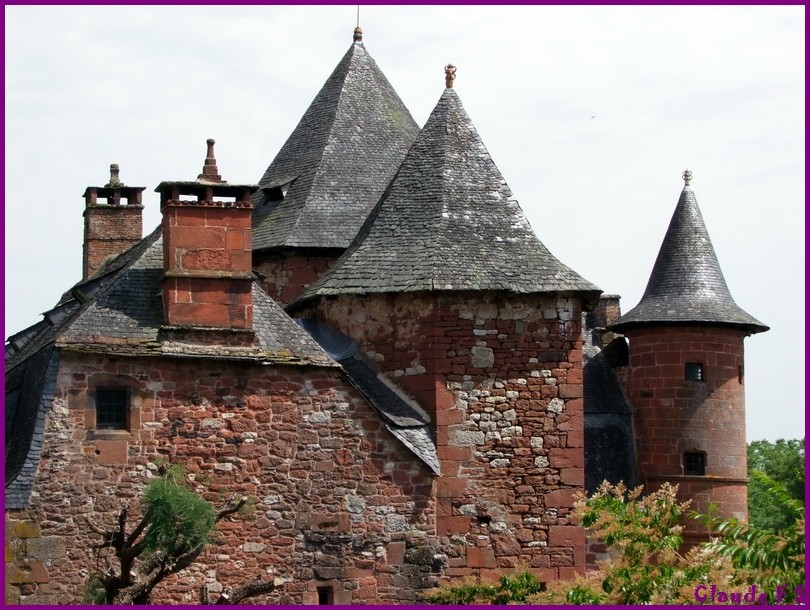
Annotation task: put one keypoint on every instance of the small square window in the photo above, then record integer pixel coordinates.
(111, 409)
(694, 371)
(694, 463)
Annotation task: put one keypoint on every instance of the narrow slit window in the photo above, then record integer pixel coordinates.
(111, 409)
(694, 371)
(694, 463)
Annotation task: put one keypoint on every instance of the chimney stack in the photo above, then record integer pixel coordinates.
(207, 251)
(112, 221)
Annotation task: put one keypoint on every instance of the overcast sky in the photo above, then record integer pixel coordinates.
(591, 114)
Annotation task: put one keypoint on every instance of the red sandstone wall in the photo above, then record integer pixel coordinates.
(672, 415)
(289, 272)
(503, 379)
(339, 501)
(109, 231)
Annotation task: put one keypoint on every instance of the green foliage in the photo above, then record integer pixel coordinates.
(644, 532)
(775, 558)
(178, 519)
(514, 590)
(783, 462)
(94, 591)
(646, 567)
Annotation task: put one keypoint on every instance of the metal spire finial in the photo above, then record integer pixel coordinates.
(449, 75)
(358, 32)
(114, 179)
(687, 177)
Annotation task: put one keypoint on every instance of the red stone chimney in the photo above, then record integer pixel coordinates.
(207, 249)
(111, 226)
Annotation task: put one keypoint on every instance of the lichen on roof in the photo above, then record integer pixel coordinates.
(448, 221)
(337, 161)
(686, 285)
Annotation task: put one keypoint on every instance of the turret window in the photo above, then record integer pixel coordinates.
(694, 463)
(694, 371)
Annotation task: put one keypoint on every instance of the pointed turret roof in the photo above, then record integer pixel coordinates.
(687, 285)
(338, 160)
(448, 221)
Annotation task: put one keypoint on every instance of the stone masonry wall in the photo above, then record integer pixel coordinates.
(502, 378)
(289, 272)
(338, 501)
(109, 230)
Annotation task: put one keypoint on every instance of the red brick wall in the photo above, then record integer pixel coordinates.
(338, 500)
(673, 415)
(503, 379)
(289, 272)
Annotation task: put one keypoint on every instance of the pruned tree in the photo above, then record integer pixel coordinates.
(175, 528)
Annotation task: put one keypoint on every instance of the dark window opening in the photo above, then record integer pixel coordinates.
(694, 371)
(326, 596)
(111, 409)
(740, 373)
(694, 462)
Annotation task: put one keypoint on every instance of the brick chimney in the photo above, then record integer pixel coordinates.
(112, 221)
(207, 249)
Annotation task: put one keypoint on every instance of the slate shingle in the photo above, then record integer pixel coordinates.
(687, 285)
(448, 221)
(338, 159)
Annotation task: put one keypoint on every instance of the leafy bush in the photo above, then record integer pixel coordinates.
(514, 590)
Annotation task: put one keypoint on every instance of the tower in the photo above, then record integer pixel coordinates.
(450, 295)
(685, 377)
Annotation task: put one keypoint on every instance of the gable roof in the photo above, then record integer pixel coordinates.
(448, 221)
(686, 285)
(337, 161)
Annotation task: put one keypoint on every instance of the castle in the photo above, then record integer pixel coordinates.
(373, 344)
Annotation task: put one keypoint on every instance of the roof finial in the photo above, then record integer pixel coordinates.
(358, 33)
(114, 180)
(687, 177)
(449, 75)
(210, 171)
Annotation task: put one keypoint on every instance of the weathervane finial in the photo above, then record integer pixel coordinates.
(449, 75)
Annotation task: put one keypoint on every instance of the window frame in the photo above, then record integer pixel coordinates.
(695, 472)
(117, 399)
(694, 371)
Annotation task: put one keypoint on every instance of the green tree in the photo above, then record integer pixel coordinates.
(647, 565)
(175, 528)
(783, 462)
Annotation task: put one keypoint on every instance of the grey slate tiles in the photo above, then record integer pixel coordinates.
(337, 161)
(448, 221)
(687, 285)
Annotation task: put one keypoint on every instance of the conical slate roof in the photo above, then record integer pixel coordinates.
(687, 285)
(337, 162)
(448, 221)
